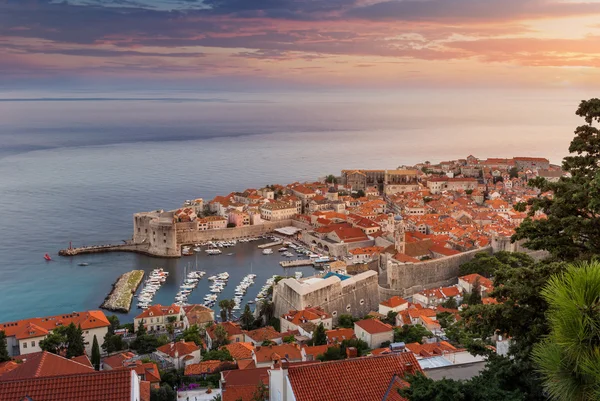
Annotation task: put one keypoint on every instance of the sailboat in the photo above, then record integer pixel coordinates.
(47, 257)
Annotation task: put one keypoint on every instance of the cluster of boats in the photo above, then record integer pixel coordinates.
(264, 291)
(151, 285)
(190, 282)
(241, 289)
(218, 284)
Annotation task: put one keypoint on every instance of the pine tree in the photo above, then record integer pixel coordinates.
(75, 341)
(141, 331)
(95, 354)
(4, 357)
(319, 336)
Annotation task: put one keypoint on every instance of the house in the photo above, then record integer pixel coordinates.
(338, 335)
(264, 356)
(311, 353)
(198, 315)
(293, 319)
(156, 318)
(240, 351)
(468, 282)
(206, 368)
(117, 361)
(435, 296)
(242, 385)
(44, 364)
(116, 385)
(234, 333)
(148, 372)
(344, 380)
(258, 336)
(179, 353)
(393, 304)
(24, 336)
(374, 332)
(426, 350)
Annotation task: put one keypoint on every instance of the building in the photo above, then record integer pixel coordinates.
(345, 380)
(524, 163)
(239, 219)
(440, 184)
(435, 296)
(198, 315)
(393, 304)
(294, 319)
(264, 356)
(338, 335)
(180, 353)
(234, 333)
(212, 223)
(242, 385)
(374, 332)
(258, 336)
(336, 294)
(156, 230)
(467, 284)
(277, 211)
(24, 336)
(156, 318)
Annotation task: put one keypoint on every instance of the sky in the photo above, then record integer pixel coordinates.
(303, 43)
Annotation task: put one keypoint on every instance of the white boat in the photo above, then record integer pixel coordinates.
(213, 251)
(267, 251)
(282, 249)
(298, 275)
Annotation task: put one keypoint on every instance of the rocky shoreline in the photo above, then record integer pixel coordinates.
(120, 297)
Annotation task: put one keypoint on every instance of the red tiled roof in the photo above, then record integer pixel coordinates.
(442, 250)
(205, 367)
(112, 385)
(39, 326)
(264, 333)
(308, 314)
(316, 350)
(83, 359)
(339, 335)
(471, 278)
(7, 366)
(431, 349)
(159, 310)
(44, 364)
(373, 326)
(116, 361)
(351, 379)
(145, 391)
(246, 364)
(181, 347)
(239, 393)
(276, 352)
(394, 302)
(148, 371)
(404, 258)
(246, 377)
(239, 350)
(232, 329)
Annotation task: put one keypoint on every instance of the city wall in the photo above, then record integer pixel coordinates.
(191, 236)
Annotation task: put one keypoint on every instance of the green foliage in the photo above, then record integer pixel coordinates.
(4, 357)
(319, 336)
(266, 311)
(358, 194)
(226, 305)
(469, 191)
(487, 265)
(145, 343)
(332, 354)
(217, 354)
(114, 323)
(474, 298)
(113, 343)
(221, 337)
(261, 393)
(513, 172)
(141, 331)
(346, 321)
(445, 319)
(289, 339)
(411, 334)
(330, 179)
(192, 334)
(570, 230)
(164, 393)
(390, 318)
(450, 303)
(361, 346)
(95, 354)
(161, 340)
(569, 358)
(65, 338)
(247, 318)
(275, 323)
(266, 343)
(75, 341)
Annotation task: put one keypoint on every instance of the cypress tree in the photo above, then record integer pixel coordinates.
(95, 354)
(319, 336)
(4, 357)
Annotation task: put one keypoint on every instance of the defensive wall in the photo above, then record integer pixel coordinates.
(357, 295)
(186, 235)
(338, 250)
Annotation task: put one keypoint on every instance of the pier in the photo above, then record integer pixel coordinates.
(127, 247)
(270, 244)
(296, 263)
(120, 297)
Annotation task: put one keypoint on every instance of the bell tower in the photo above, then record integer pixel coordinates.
(399, 235)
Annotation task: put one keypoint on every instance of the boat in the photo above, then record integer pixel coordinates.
(47, 257)
(212, 251)
(83, 264)
(282, 249)
(230, 254)
(298, 275)
(267, 251)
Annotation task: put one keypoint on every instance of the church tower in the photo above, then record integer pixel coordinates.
(399, 235)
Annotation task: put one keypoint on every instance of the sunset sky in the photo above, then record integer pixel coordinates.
(317, 43)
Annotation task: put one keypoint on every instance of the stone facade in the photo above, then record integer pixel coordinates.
(357, 295)
(157, 230)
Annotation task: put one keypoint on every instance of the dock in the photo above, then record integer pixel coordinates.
(270, 244)
(120, 297)
(142, 248)
(296, 263)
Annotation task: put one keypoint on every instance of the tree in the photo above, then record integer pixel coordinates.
(358, 194)
(570, 229)
(95, 354)
(450, 303)
(170, 326)
(569, 357)
(227, 306)
(4, 357)
(218, 355)
(141, 331)
(332, 354)
(55, 342)
(346, 321)
(247, 318)
(390, 318)
(112, 343)
(319, 336)
(513, 172)
(76, 343)
(114, 323)
(266, 311)
(192, 334)
(289, 339)
(474, 298)
(330, 179)
(445, 319)
(487, 265)
(261, 393)
(361, 346)
(221, 336)
(164, 393)
(411, 334)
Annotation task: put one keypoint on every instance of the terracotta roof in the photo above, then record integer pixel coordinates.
(316, 350)
(159, 310)
(394, 302)
(205, 367)
(291, 352)
(431, 349)
(198, 314)
(145, 391)
(83, 359)
(305, 315)
(264, 333)
(45, 364)
(246, 364)
(39, 326)
(370, 377)
(240, 350)
(239, 393)
(246, 377)
(117, 361)
(148, 372)
(442, 250)
(7, 366)
(339, 335)
(232, 329)
(373, 326)
(112, 385)
(404, 258)
(180, 347)
(471, 278)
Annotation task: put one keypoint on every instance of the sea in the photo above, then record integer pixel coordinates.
(76, 164)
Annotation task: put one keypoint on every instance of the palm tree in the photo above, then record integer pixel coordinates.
(569, 357)
(267, 310)
(224, 304)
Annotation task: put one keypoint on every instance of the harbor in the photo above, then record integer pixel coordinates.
(121, 295)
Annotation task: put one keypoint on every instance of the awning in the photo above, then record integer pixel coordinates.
(288, 230)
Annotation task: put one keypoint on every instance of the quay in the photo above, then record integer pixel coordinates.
(126, 247)
(120, 297)
(270, 244)
(296, 263)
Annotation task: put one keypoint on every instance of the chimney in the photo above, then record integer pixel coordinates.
(351, 352)
(285, 364)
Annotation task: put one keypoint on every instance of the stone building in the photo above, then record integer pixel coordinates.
(336, 294)
(276, 211)
(157, 231)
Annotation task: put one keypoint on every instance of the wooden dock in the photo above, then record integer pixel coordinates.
(270, 244)
(296, 263)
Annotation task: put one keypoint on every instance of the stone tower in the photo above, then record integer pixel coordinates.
(399, 234)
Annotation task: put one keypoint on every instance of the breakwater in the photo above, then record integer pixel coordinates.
(296, 263)
(120, 297)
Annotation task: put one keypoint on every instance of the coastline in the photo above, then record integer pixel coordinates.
(121, 296)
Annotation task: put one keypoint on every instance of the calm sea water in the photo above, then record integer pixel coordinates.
(77, 170)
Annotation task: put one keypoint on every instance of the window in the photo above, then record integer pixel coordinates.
(165, 241)
(33, 343)
(24, 345)
(334, 313)
(348, 307)
(146, 231)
